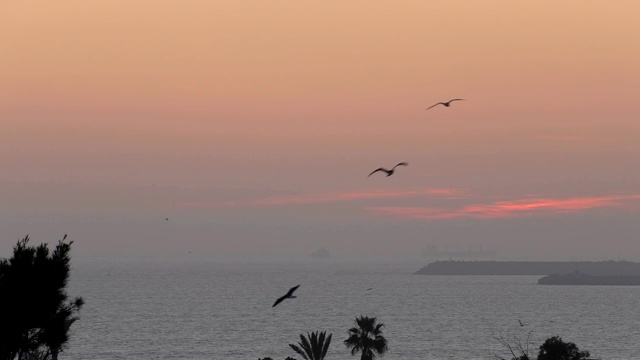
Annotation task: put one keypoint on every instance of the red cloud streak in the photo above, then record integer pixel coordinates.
(509, 209)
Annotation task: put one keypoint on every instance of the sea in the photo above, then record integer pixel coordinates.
(155, 308)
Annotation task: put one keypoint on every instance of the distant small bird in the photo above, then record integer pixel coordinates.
(389, 172)
(521, 324)
(445, 103)
(166, 219)
(369, 289)
(289, 295)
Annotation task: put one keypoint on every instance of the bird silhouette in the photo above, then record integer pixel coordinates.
(445, 103)
(289, 295)
(521, 324)
(389, 172)
(166, 219)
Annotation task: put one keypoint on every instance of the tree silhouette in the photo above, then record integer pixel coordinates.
(555, 349)
(34, 307)
(313, 347)
(366, 338)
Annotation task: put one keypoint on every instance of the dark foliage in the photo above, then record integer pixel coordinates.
(552, 349)
(555, 349)
(313, 347)
(34, 307)
(366, 338)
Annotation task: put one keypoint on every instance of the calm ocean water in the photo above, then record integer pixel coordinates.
(169, 309)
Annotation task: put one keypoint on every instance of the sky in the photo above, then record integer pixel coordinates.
(253, 126)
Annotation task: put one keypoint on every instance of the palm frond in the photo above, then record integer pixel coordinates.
(306, 346)
(325, 348)
(299, 351)
(314, 346)
(316, 342)
(380, 345)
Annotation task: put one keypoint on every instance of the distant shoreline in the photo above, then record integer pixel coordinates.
(600, 268)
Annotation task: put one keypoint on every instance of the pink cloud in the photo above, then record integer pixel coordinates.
(306, 199)
(509, 209)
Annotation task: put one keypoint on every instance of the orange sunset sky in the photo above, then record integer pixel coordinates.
(252, 126)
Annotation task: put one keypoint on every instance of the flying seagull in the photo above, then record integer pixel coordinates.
(389, 172)
(521, 324)
(289, 295)
(445, 103)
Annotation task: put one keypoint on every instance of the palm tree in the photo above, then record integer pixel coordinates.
(367, 338)
(313, 347)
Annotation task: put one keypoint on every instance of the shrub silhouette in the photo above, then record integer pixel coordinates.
(552, 349)
(34, 307)
(518, 348)
(555, 349)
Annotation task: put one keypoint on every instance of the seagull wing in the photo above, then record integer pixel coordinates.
(280, 299)
(455, 100)
(434, 105)
(289, 293)
(292, 290)
(401, 164)
(378, 169)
